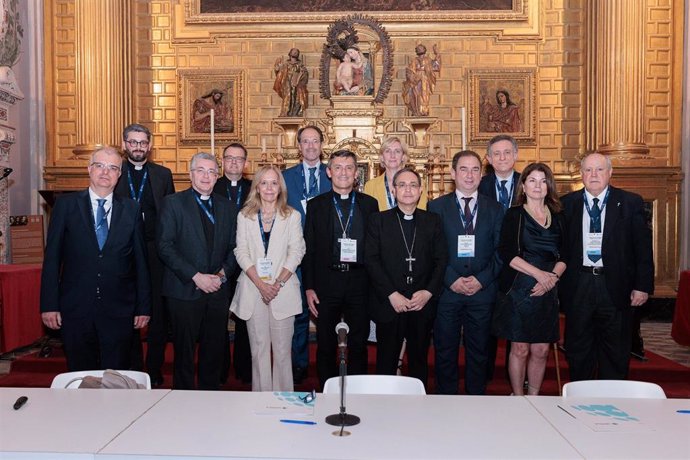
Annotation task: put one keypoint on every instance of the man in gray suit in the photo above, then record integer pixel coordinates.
(196, 238)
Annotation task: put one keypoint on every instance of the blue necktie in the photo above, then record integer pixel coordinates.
(312, 182)
(503, 195)
(468, 216)
(101, 223)
(595, 225)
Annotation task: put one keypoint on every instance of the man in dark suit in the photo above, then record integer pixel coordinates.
(95, 284)
(610, 272)
(147, 183)
(472, 223)
(406, 257)
(335, 279)
(500, 183)
(196, 238)
(305, 181)
(236, 188)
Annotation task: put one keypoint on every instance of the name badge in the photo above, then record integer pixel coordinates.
(593, 243)
(348, 250)
(465, 245)
(264, 268)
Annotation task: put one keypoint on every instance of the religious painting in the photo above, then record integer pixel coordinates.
(211, 98)
(422, 11)
(502, 102)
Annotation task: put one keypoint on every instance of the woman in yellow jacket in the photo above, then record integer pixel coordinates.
(393, 156)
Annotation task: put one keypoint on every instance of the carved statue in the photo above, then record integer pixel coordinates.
(291, 84)
(354, 76)
(420, 81)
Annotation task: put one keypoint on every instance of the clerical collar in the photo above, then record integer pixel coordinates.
(406, 216)
(233, 183)
(138, 167)
(201, 196)
(341, 196)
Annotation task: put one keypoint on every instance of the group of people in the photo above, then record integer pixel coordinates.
(496, 258)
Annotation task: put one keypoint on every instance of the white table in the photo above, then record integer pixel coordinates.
(66, 424)
(663, 432)
(224, 425)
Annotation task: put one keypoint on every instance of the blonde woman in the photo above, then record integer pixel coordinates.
(393, 156)
(269, 248)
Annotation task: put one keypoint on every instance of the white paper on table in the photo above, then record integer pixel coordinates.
(286, 403)
(607, 417)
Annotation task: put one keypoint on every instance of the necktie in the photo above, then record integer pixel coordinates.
(312, 182)
(101, 223)
(595, 225)
(468, 216)
(503, 195)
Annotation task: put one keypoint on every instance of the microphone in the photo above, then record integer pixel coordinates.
(342, 330)
(6, 172)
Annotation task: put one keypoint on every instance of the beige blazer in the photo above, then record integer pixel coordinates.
(285, 248)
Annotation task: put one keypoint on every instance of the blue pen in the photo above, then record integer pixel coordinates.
(297, 422)
(683, 411)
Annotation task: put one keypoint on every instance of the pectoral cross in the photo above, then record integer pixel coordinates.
(409, 261)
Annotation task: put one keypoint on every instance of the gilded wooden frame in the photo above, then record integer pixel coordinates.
(196, 88)
(517, 12)
(487, 117)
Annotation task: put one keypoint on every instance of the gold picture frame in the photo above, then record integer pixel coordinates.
(200, 90)
(502, 102)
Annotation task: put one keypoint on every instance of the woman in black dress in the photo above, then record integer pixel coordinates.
(532, 249)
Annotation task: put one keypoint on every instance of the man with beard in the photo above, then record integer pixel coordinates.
(305, 181)
(147, 183)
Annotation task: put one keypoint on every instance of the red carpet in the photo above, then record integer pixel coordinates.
(33, 371)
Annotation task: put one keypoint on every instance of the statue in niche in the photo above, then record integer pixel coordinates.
(291, 84)
(504, 117)
(354, 76)
(420, 80)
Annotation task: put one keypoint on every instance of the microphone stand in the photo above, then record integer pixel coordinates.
(342, 418)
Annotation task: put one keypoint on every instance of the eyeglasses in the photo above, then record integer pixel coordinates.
(205, 172)
(134, 144)
(310, 141)
(230, 159)
(404, 185)
(105, 166)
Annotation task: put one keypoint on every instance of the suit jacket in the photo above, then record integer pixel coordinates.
(485, 265)
(295, 186)
(76, 272)
(160, 179)
(318, 231)
(221, 188)
(285, 249)
(385, 254)
(487, 186)
(182, 244)
(626, 249)
(376, 187)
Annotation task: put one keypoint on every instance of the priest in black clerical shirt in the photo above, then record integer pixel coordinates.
(147, 183)
(406, 257)
(335, 280)
(236, 188)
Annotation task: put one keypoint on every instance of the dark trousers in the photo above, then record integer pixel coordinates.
(415, 327)
(242, 362)
(203, 321)
(300, 337)
(597, 334)
(345, 296)
(455, 315)
(97, 342)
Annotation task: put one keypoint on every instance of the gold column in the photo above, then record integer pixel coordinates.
(103, 66)
(616, 83)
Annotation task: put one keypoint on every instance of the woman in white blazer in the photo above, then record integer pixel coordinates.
(269, 248)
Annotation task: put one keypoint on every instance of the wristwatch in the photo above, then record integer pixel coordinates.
(282, 283)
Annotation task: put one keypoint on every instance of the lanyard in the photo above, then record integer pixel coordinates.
(205, 209)
(603, 203)
(239, 194)
(462, 212)
(104, 219)
(263, 233)
(348, 224)
(510, 192)
(389, 198)
(137, 196)
(304, 182)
